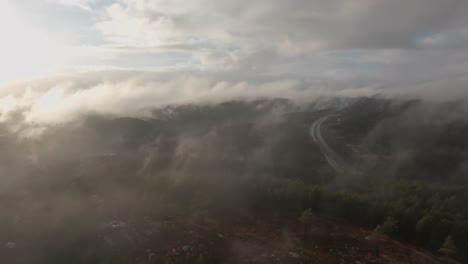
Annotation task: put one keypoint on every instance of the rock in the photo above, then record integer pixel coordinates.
(150, 254)
(294, 255)
(10, 245)
(117, 224)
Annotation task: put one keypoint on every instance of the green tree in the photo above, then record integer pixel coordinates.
(306, 218)
(200, 259)
(388, 227)
(448, 248)
(425, 222)
(378, 229)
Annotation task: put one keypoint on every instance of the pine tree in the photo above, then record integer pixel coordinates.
(388, 227)
(448, 248)
(378, 229)
(306, 218)
(200, 259)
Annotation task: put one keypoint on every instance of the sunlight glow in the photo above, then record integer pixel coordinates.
(25, 51)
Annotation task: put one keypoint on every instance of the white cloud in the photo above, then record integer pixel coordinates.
(282, 24)
(271, 37)
(213, 50)
(83, 4)
(68, 98)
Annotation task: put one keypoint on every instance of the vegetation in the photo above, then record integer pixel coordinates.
(448, 248)
(306, 218)
(163, 190)
(410, 212)
(389, 227)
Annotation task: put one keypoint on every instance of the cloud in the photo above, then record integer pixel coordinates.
(437, 90)
(83, 4)
(160, 52)
(360, 43)
(67, 98)
(292, 25)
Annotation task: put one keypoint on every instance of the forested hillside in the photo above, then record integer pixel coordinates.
(206, 183)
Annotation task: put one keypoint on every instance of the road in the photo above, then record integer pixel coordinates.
(333, 158)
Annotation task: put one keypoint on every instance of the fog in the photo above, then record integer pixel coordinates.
(135, 131)
(102, 180)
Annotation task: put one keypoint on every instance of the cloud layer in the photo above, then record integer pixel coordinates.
(290, 25)
(62, 100)
(140, 54)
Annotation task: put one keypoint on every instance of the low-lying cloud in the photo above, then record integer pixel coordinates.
(66, 99)
(174, 52)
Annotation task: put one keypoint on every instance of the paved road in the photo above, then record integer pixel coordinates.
(335, 161)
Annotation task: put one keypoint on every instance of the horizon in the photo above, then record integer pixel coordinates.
(72, 51)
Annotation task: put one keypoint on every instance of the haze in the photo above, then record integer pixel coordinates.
(233, 131)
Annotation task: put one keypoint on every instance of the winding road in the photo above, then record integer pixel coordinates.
(335, 161)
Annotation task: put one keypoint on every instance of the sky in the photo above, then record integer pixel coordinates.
(60, 58)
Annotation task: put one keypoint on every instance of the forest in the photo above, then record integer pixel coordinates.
(130, 190)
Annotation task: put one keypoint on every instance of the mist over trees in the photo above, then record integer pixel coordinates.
(109, 189)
